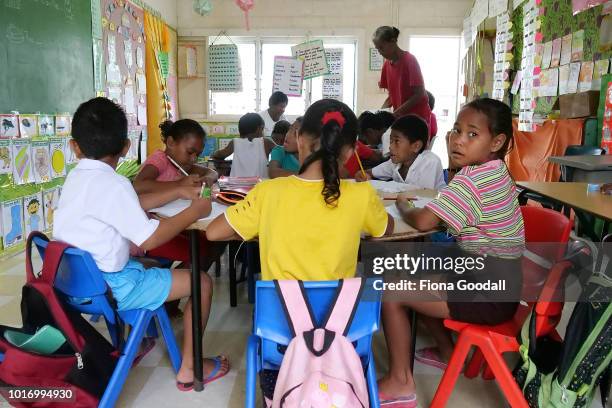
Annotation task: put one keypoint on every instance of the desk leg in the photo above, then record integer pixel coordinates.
(196, 301)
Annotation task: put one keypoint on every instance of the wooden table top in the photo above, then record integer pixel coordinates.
(585, 162)
(574, 195)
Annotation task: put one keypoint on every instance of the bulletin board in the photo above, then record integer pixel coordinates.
(557, 21)
(123, 47)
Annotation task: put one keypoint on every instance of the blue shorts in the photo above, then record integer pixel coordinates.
(135, 287)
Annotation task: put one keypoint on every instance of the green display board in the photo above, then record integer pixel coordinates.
(557, 21)
(46, 62)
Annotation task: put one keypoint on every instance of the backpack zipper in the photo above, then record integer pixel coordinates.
(80, 364)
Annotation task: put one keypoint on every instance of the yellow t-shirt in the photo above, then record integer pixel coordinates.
(302, 238)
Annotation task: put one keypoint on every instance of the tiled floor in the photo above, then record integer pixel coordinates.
(151, 383)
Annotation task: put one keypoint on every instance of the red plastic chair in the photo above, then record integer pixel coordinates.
(541, 225)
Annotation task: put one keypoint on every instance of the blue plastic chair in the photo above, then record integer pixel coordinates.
(84, 289)
(271, 331)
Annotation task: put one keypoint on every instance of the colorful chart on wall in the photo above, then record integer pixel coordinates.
(50, 201)
(63, 125)
(28, 125)
(22, 162)
(45, 125)
(41, 161)
(6, 157)
(58, 157)
(9, 126)
(12, 223)
(123, 49)
(33, 213)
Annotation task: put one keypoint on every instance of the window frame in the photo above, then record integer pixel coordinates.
(273, 38)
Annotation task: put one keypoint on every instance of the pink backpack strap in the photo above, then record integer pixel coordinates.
(292, 295)
(343, 309)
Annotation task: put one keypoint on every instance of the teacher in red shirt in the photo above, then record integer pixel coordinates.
(401, 76)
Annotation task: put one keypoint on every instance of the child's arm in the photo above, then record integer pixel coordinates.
(223, 153)
(221, 230)
(268, 146)
(145, 181)
(154, 200)
(422, 219)
(275, 170)
(170, 227)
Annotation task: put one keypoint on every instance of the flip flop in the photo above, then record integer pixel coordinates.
(146, 345)
(409, 401)
(215, 374)
(430, 357)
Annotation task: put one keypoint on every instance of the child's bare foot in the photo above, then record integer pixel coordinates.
(214, 368)
(393, 388)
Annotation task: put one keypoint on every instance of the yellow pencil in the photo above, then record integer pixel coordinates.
(360, 165)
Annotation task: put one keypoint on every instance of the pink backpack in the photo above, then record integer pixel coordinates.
(321, 367)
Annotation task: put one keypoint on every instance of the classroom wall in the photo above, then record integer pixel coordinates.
(358, 18)
(167, 10)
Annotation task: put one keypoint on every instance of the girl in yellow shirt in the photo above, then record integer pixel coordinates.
(309, 225)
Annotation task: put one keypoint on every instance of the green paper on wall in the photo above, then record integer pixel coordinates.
(164, 64)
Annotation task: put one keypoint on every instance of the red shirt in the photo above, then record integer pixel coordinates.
(364, 151)
(433, 126)
(398, 78)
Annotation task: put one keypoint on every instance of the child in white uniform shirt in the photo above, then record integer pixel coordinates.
(409, 162)
(99, 212)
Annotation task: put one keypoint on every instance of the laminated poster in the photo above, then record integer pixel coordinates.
(12, 223)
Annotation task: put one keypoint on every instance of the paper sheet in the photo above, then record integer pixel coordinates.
(586, 76)
(420, 202)
(547, 57)
(390, 186)
(556, 53)
(175, 207)
(566, 49)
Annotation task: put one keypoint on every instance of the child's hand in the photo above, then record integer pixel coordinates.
(189, 193)
(211, 178)
(203, 206)
(359, 176)
(404, 202)
(192, 180)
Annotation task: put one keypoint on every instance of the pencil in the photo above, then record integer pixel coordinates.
(177, 166)
(360, 165)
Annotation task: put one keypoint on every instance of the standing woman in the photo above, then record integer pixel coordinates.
(401, 76)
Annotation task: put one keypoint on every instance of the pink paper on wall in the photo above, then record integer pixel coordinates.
(581, 5)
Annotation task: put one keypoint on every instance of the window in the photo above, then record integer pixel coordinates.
(439, 60)
(257, 60)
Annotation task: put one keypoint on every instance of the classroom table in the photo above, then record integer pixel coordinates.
(587, 168)
(401, 232)
(573, 195)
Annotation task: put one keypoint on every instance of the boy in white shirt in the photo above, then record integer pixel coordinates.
(409, 162)
(99, 212)
(276, 108)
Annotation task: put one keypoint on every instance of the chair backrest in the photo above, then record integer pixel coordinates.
(80, 280)
(543, 225)
(544, 229)
(567, 173)
(271, 325)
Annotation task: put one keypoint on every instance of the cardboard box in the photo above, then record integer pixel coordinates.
(579, 105)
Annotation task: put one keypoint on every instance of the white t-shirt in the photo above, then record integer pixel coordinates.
(425, 172)
(269, 122)
(250, 158)
(99, 212)
(386, 141)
